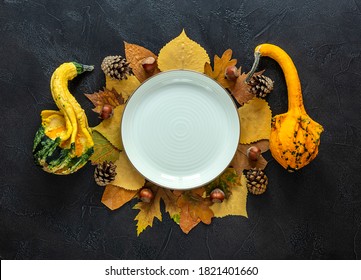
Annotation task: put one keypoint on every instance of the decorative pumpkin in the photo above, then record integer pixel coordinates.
(295, 137)
(63, 143)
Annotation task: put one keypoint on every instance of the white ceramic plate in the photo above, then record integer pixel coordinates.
(180, 129)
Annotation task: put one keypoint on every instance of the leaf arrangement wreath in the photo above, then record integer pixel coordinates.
(64, 142)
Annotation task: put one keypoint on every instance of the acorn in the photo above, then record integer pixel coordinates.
(106, 112)
(149, 64)
(231, 73)
(217, 196)
(253, 153)
(146, 195)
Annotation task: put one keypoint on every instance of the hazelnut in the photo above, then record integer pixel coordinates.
(146, 195)
(231, 73)
(106, 112)
(149, 64)
(217, 196)
(253, 153)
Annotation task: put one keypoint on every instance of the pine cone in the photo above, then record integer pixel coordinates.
(105, 173)
(116, 67)
(261, 85)
(256, 181)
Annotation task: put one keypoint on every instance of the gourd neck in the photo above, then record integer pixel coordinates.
(295, 101)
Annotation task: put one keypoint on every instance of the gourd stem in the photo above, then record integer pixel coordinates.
(295, 101)
(257, 56)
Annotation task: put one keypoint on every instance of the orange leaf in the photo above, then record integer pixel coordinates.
(103, 97)
(194, 209)
(135, 54)
(115, 197)
(220, 66)
(241, 162)
(148, 211)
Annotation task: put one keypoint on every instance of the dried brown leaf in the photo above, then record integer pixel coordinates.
(115, 197)
(194, 209)
(135, 55)
(241, 162)
(103, 97)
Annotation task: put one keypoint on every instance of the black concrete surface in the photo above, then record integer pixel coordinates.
(312, 214)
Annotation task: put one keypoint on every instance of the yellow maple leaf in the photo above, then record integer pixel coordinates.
(127, 176)
(110, 128)
(170, 202)
(115, 197)
(255, 119)
(125, 87)
(148, 211)
(220, 66)
(135, 55)
(236, 203)
(182, 53)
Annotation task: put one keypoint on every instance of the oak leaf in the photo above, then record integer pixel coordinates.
(255, 120)
(236, 203)
(148, 211)
(241, 162)
(194, 209)
(220, 66)
(124, 87)
(127, 176)
(115, 197)
(103, 149)
(110, 128)
(105, 96)
(182, 53)
(135, 55)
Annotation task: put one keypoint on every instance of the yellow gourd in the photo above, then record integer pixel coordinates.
(295, 137)
(63, 143)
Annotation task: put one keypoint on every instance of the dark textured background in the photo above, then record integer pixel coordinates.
(312, 214)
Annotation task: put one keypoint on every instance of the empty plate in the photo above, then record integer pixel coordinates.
(180, 129)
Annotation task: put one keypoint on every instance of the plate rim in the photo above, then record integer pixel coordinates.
(180, 70)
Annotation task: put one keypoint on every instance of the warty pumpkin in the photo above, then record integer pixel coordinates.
(63, 143)
(295, 137)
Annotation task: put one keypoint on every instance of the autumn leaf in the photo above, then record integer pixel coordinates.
(220, 66)
(182, 53)
(241, 162)
(194, 209)
(105, 96)
(135, 55)
(115, 197)
(170, 202)
(124, 87)
(255, 120)
(236, 203)
(110, 128)
(127, 176)
(148, 211)
(103, 149)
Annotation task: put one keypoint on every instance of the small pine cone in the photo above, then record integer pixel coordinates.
(116, 67)
(105, 173)
(261, 85)
(256, 181)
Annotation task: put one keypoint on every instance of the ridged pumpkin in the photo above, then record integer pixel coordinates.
(295, 137)
(63, 143)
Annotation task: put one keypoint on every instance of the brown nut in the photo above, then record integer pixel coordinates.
(231, 73)
(106, 112)
(253, 153)
(146, 195)
(217, 196)
(149, 64)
